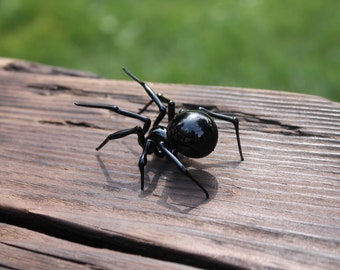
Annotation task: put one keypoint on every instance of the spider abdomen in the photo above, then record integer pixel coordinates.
(193, 134)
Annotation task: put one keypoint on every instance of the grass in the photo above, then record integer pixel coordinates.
(291, 45)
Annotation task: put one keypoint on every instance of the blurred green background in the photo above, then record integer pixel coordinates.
(290, 45)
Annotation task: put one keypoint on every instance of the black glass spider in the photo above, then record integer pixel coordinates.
(193, 133)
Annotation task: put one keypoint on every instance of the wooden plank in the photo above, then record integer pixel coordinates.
(24, 249)
(280, 208)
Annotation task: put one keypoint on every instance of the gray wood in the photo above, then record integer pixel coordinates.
(280, 208)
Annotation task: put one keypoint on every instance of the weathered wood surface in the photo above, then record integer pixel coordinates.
(24, 249)
(63, 202)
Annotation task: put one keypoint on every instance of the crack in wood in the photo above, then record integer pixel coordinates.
(256, 119)
(52, 89)
(26, 67)
(56, 123)
(284, 129)
(97, 238)
(3, 266)
(47, 254)
(71, 123)
(83, 124)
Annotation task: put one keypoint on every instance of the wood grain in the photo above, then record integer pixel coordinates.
(25, 249)
(280, 208)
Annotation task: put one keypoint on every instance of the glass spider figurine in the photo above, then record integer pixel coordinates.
(192, 133)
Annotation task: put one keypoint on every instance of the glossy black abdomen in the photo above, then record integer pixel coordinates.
(193, 134)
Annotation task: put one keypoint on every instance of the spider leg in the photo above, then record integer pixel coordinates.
(145, 107)
(146, 120)
(143, 160)
(181, 167)
(170, 102)
(171, 106)
(228, 118)
(123, 133)
(152, 95)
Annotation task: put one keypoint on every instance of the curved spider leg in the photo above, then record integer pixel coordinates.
(143, 160)
(123, 133)
(171, 106)
(146, 120)
(228, 118)
(152, 95)
(169, 102)
(181, 167)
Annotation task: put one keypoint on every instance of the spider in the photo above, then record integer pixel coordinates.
(192, 133)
